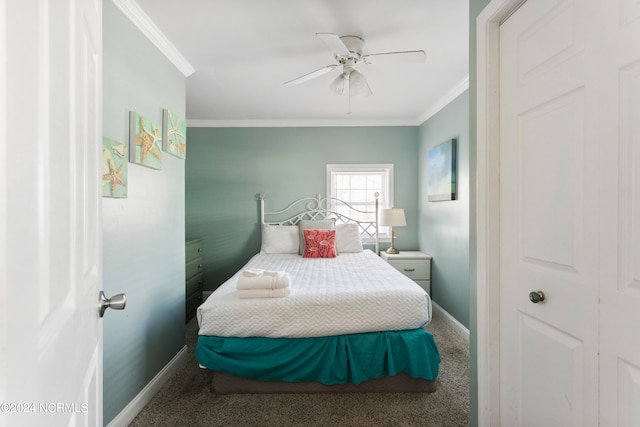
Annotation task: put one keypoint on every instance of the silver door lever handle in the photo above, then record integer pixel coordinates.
(116, 302)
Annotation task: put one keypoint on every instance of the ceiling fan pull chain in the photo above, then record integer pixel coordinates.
(349, 96)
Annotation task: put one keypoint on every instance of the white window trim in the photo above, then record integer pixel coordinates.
(365, 168)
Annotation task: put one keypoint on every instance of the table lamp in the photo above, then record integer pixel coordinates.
(392, 218)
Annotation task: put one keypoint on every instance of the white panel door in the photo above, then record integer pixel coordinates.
(50, 207)
(549, 216)
(620, 213)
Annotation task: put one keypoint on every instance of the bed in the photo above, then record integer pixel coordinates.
(348, 321)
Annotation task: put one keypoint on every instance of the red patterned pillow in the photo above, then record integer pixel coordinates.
(319, 244)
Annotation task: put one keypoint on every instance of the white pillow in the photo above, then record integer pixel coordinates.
(312, 224)
(279, 239)
(348, 238)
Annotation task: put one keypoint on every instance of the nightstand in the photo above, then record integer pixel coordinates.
(413, 264)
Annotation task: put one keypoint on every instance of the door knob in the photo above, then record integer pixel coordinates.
(536, 297)
(116, 302)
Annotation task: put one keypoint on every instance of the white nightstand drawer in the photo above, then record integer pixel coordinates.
(413, 264)
(415, 270)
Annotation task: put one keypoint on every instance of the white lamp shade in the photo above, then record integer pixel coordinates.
(392, 218)
(338, 84)
(358, 85)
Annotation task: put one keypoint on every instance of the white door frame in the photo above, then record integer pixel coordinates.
(488, 207)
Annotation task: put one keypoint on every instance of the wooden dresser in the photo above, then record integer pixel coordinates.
(194, 276)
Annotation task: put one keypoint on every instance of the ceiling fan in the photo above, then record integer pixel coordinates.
(348, 54)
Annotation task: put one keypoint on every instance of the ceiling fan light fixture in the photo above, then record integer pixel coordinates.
(358, 85)
(338, 84)
(348, 52)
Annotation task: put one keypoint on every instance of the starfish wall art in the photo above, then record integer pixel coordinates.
(174, 134)
(114, 169)
(145, 141)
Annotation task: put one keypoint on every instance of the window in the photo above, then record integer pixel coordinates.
(356, 184)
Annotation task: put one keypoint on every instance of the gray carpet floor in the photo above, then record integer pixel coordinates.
(185, 400)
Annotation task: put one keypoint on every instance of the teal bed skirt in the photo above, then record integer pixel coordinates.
(339, 359)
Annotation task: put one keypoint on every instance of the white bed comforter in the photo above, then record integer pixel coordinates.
(353, 293)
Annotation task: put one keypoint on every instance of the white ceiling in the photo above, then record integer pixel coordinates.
(238, 53)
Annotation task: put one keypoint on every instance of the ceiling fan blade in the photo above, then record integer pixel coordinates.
(404, 57)
(334, 42)
(311, 75)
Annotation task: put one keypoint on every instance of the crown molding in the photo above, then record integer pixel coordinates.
(140, 19)
(456, 91)
(296, 123)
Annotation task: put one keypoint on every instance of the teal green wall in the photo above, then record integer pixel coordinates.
(227, 167)
(143, 234)
(444, 226)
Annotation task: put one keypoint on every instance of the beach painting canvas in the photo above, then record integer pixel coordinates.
(174, 134)
(441, 165)
(114, 168)
(145, 142)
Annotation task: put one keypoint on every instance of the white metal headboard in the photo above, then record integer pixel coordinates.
(317, 208)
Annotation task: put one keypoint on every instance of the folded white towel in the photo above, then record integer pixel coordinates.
(266, 280)
(264, 293)
(252, 273)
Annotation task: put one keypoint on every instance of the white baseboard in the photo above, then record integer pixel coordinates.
(450, 320)
(134, 407)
